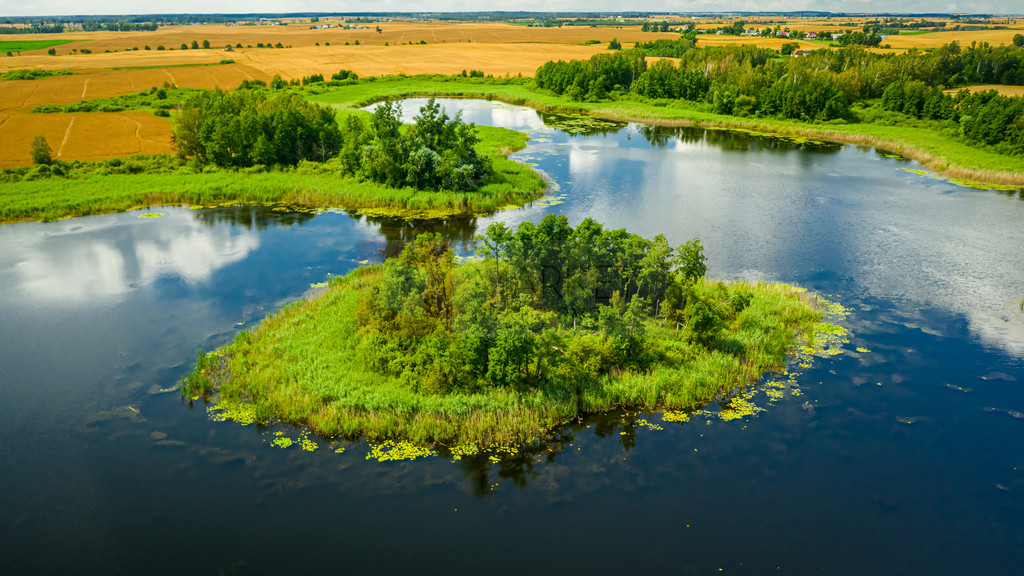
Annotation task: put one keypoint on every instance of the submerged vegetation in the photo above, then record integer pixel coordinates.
(552, 322)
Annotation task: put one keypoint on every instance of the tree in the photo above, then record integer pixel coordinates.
(615, 45)
(689, 261)
(195, 45)
(206, 43)
(1018, 39)
(41, 151)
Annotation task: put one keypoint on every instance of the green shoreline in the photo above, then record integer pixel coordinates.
(973, 167)
(308, 187)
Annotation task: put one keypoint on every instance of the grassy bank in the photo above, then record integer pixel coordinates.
(309, 185)
(935, 151)
(303, 365)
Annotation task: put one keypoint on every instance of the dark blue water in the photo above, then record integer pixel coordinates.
(907, 458)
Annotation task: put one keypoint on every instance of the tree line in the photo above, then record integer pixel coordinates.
(820, 86)
(249, 127)
(246, 127)
(119, 26)
(33, 29)
(549, 303)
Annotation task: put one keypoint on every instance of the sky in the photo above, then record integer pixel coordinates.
(103, 7)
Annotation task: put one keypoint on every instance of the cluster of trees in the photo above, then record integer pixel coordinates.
(655, 26)
(821, 86)
(245, 128)
(991, 119)
(436, 153)
(119, 26)
(594, 78)
(668, 48)
(860, 39)
(33, 29)
(548, 303)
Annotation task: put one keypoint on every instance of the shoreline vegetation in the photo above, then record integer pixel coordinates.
(495, 352)
(121, 184)
(963, 164)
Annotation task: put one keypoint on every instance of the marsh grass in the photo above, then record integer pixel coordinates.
(301, 365)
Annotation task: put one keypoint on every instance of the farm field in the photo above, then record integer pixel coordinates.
(498, 49)
(1004, 90)
(119, 63)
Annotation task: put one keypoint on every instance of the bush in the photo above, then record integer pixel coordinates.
(42, 154)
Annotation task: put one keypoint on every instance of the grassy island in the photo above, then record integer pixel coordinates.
(552, 322)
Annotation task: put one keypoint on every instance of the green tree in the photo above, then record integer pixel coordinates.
(705, 323)
(206, 43)
(41, 151)
(689, 261)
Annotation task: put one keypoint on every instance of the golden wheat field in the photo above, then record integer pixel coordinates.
(1004, 90)
(119, 63)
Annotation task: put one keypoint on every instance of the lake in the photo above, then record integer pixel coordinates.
(902, 455)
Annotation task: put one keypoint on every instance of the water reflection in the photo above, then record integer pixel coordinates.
(397, 232)
(254, 217)
(663, 136)
(103, 257)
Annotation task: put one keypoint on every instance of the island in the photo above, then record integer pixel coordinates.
(547, 322)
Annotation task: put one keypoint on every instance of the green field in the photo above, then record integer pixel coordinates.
(26, 45)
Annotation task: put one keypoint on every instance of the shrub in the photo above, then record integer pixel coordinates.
(41, 151)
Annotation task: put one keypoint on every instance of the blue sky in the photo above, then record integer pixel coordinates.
(54, 7)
